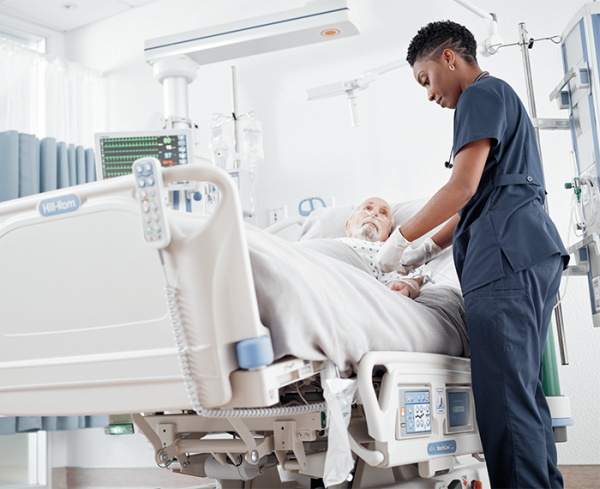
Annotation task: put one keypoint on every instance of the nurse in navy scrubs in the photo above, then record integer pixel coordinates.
(508, 254)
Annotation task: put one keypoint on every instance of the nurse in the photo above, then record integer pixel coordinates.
(508, 254)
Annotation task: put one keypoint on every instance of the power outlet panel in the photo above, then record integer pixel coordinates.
(277, 214)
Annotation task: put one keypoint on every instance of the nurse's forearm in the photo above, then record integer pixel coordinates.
(452, 197)
(444, 205)
(443, 238)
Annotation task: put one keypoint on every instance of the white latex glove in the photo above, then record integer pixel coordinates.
(414, 258)
(388, 258)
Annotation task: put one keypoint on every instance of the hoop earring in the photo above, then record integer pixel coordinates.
(451, 67)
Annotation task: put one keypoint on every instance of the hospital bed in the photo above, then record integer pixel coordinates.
(96, 321)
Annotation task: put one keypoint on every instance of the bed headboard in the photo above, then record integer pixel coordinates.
(84, 327)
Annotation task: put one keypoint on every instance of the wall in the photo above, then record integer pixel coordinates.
(91, 448)
(310, 149)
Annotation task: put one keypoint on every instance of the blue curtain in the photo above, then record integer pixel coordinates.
(29, 166)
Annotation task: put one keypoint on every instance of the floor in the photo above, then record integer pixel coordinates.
(581, 476)
(575, 477)
(141, 478)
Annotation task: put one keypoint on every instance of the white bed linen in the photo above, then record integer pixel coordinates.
(318, 305)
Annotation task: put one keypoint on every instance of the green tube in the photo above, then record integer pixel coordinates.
(550, 381)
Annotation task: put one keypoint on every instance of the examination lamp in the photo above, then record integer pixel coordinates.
(350, 88)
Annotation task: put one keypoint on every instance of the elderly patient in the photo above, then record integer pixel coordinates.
(367, 229)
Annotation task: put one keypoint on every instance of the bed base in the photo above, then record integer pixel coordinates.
(294, 447)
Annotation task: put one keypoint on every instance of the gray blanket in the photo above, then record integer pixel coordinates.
(319, 303)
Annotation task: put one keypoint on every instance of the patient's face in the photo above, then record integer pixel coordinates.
(371, 221)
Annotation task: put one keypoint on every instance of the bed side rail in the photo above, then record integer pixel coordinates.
(84, 325)
(428, 399)
(211, 274)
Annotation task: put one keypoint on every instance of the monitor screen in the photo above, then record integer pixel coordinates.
(116, 152)
(459, 412)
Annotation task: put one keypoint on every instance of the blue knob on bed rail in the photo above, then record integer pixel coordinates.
(255, 352)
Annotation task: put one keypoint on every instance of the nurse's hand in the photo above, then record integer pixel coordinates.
(414, 258)
(388, 258)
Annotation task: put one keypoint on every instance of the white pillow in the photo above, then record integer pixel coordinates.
(330, 222)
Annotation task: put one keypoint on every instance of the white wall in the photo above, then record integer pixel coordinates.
(91, 448)
(310, 149)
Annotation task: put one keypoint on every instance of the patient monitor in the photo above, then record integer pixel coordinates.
(116, 152)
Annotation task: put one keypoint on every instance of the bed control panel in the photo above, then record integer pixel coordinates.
(459, 402)
(149, 192)
(415, 411)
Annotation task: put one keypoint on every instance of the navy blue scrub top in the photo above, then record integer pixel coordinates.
(506, 214)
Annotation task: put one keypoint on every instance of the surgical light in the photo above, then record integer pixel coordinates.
(350, 88)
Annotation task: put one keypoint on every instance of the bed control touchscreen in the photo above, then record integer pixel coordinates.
(460, 418)
(148, 184)
(415, 411)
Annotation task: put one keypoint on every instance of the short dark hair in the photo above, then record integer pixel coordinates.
(432, 39)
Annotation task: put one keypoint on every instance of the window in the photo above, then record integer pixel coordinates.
(23, 460)
(36, 43)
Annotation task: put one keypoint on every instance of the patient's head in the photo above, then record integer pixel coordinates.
(371, 221)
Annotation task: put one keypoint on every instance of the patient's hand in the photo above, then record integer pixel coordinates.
(404, 287)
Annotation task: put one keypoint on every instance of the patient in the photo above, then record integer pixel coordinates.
(367, 229)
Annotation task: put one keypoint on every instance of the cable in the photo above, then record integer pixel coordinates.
(190, 385)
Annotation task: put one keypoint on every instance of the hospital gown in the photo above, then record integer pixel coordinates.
(367, 250)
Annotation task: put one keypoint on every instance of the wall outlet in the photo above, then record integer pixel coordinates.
(277, 214)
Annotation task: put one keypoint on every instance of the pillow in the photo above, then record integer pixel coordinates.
(330, 222)
(326, 222)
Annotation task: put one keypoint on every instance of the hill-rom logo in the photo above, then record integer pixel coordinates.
(59, 205)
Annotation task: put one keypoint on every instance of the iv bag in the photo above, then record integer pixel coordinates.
(252, 140)
(219, 147)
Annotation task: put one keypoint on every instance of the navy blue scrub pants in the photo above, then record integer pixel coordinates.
(508, 323)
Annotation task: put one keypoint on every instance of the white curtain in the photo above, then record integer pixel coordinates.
(43, 95)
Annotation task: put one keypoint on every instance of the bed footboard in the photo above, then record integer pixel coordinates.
(84, 324)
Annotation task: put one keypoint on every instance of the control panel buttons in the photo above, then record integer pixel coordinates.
(418, 412)
(147, 174)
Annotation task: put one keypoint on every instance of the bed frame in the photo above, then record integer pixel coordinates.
(86, 330)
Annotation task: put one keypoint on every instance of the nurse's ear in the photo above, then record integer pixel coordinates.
(448, 58)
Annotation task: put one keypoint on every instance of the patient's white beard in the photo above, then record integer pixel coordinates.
(366, 232)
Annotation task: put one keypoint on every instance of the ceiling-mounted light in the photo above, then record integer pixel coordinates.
(331, 32)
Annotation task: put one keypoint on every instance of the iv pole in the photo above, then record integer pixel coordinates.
(525, 42)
